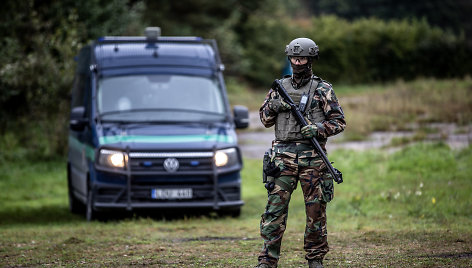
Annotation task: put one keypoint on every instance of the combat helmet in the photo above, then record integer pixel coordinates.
(302, 47)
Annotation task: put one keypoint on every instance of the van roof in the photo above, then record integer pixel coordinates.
(118, 52)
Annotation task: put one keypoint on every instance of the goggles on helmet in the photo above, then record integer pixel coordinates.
(299, 60)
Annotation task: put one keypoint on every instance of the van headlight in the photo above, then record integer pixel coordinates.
(110, 158)
(226, 157)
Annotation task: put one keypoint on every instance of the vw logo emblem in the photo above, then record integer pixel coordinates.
(171, 164)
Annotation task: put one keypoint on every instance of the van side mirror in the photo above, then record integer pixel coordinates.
(77, 118)
(241, 116)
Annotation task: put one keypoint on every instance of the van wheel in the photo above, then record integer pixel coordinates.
(90, 213)
(235, 213)
(75, 206)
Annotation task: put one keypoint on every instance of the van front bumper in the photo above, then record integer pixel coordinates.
(142, 183)
(178, 205)
(119, 196)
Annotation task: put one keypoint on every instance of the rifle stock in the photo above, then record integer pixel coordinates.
(337, 175)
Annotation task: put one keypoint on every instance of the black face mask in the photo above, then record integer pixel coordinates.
(300, 70)
(301, 73)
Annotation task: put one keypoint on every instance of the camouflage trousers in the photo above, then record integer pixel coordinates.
(298, 162)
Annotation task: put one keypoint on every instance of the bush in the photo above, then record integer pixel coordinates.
(362, 51)
(39, 41)
(370, 50)
(267, 33)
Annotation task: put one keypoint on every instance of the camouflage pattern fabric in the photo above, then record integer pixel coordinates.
(298, 162)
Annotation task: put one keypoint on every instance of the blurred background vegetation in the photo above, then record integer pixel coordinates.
(361, 42)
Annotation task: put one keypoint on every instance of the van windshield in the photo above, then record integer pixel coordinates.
(160, 97)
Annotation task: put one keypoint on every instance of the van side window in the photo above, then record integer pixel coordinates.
(82, 77)
(78, 90)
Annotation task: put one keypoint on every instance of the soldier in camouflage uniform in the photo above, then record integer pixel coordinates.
(295, 156)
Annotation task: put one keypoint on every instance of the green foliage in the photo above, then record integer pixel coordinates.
(206, 18)
(268, 31)
(369, 50)
(39, 40)
(364, 50)
(452, 14)
(36, 80)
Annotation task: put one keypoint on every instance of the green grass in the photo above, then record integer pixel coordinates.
(382, 215)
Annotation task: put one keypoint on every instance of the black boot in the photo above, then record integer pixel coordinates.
(316, 263)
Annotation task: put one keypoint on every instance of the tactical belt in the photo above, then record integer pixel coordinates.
(293, 141)
(298, 141)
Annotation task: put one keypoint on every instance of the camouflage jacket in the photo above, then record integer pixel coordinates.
(326, 100)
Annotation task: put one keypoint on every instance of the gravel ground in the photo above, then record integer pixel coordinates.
(255, 140)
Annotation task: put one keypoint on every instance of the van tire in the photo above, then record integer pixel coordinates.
(90, 212)
(75, 206)
(235, 213)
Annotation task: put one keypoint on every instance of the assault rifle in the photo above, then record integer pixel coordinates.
(337, 175)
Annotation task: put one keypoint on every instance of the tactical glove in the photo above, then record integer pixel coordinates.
(278, 105)
(309, 131)
(270, 186)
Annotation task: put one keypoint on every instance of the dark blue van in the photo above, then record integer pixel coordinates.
(151, 127)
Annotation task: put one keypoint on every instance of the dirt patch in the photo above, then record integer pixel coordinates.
(73, 240)
(213, 238)
(461, 255)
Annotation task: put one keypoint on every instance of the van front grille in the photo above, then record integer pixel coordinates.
(155, 161)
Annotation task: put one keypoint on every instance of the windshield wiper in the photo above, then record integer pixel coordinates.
(136, 125)
(161, 110)
(155, 122)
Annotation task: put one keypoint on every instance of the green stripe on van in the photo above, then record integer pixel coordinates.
(166, 139)
(89, 151)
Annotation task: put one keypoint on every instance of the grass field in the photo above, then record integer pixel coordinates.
(411, 208)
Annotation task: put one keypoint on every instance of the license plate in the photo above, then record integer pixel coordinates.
(172, 193)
